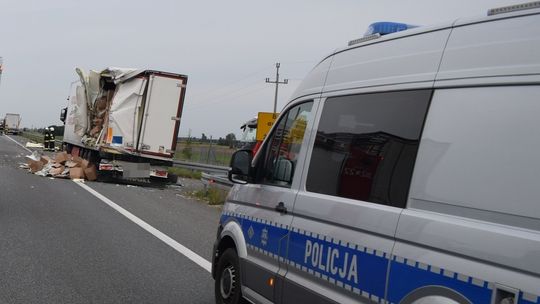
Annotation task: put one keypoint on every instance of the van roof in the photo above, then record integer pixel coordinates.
(380, 69)
(456, 23)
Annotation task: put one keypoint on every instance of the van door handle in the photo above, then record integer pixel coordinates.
(280, 207)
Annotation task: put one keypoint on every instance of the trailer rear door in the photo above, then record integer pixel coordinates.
(161, 115)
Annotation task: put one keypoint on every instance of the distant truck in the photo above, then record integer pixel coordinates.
(12, 123)
(125, 121)
(254, 130)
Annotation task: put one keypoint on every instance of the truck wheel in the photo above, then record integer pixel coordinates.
(227, 285)
(172, 178)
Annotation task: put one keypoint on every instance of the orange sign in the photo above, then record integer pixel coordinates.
(265, 120)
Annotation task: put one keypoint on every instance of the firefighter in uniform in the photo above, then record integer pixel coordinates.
(51, 139)
(46, 138)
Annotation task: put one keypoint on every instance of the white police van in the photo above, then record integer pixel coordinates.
(405, 169)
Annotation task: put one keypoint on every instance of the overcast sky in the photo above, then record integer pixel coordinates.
(227, 48)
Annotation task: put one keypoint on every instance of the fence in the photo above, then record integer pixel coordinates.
(206, 153)
(203, 153)
(38, 137)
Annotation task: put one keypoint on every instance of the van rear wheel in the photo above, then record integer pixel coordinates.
(227, 285)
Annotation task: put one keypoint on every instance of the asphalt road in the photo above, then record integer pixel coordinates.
(59, 243)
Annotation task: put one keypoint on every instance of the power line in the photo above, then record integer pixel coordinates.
(198, 106)
(250, 75)
(231, 92)
(209, 94)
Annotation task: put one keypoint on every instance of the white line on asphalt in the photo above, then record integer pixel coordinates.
(160, 235)
(18, 143)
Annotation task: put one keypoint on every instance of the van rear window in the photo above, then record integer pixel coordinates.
(366, 146)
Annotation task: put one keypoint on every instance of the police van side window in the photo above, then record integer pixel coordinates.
(284, 146)
(366, 146)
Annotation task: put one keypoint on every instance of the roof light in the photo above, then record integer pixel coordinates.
(384, 28)
(365, 38)
(378, 29)
(513, 8)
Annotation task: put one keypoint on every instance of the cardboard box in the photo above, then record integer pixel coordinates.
(72, 164)
(91, 173)
(85, 164)
(44, 160)
(77, 159)
(76, 173)
(35, 165)
(57, 170)
(61, 157)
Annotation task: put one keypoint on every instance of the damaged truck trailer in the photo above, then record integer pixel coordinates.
(125, 121)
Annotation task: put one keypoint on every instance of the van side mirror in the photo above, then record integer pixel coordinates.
(63, 115)
(240, 166)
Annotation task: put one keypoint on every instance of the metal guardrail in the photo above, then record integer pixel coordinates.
(201, 167)
(216, 180)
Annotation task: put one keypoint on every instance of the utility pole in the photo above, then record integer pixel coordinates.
(277, 82)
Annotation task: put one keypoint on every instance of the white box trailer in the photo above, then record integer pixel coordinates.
(125, 120)
(12, 123)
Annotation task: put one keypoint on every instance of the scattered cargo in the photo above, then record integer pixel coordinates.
(62, 165)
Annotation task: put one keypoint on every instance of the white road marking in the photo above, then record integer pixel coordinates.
(206, 265)
(197, 259)
(18, 143)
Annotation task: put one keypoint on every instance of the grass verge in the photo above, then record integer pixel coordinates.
(186, 173)
(214, 196)
(36, 136)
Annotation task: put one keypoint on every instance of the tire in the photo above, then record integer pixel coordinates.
(227, 287)
(172, 178)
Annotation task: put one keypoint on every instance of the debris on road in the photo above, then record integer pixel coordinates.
(34, 156)
(34, 145)
(62, 166)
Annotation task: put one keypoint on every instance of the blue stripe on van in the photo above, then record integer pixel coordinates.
(274, 243)
(354, 268)
(405, 278)
(523, 301)
(350, 266)
(371, 266)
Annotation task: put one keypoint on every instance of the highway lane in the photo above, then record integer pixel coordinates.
(191, 223)
(60, 244)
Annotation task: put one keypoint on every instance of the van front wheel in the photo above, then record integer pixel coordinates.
(227, 285)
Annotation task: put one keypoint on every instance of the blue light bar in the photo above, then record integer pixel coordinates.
(384, 28)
